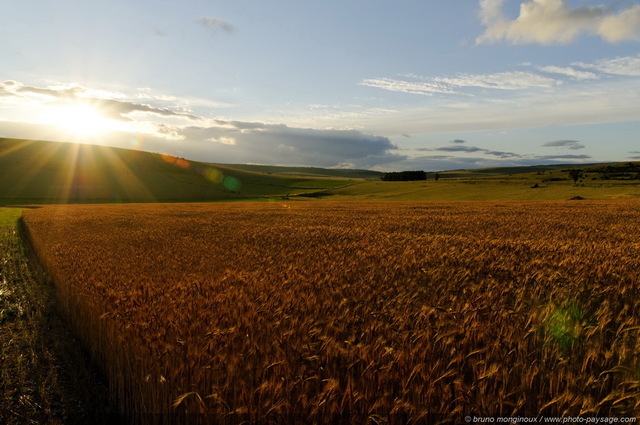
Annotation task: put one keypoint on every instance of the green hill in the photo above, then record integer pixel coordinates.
(53, 172)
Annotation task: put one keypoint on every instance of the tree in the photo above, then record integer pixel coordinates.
(405, 176)
(575, 174)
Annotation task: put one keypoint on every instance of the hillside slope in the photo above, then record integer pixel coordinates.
(53, 172)
(344, 173)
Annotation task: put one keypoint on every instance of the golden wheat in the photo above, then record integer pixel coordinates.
(355, 312)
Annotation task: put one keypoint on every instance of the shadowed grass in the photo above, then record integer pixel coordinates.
(45, 378)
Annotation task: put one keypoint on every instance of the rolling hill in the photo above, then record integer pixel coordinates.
(34, 171)
(53, 172)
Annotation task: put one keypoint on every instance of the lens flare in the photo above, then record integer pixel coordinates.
(180, 162)
(213, 175)
(231, 183)
(563, 326)
(168, 158)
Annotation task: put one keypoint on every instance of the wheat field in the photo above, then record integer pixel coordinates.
(380, 313)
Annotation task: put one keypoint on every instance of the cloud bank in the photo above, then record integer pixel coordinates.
(556, 22)
(239, 141)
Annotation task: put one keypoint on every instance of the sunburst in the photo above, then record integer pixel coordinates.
(79, 119)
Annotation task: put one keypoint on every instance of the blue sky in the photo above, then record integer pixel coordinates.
(386, 85)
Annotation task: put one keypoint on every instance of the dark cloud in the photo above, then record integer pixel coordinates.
(470, 149)
(571, 144)
(553, 157)
(458, 141)
(445, 162)
(503, 154)
(215, 24)
(459, 149)
(281, 144)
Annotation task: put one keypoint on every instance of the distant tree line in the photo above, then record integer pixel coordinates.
(404, 176)
(628, 171)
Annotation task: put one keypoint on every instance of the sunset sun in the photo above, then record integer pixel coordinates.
(80, 119)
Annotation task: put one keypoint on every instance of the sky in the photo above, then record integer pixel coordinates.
(378, 84)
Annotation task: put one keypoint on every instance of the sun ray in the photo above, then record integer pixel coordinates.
(69, 172)
(126, 180)
(74, 172)
(33, 174)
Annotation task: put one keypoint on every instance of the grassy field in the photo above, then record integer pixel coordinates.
(483, 190)
(550, 184)
(353, 312)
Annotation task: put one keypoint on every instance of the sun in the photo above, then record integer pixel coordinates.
(80, 119)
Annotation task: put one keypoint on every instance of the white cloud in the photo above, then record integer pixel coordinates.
(626, 66)
(502, 80)
(569, 72)
(453, 85)
(556, 22)
(424, 88)
(622, 27)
